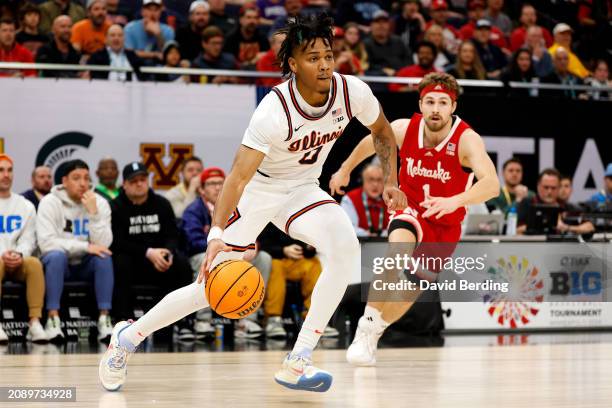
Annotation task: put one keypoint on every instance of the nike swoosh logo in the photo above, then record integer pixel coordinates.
(298, 128)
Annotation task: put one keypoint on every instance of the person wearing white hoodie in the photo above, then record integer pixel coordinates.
(17, 242)
(74, 234)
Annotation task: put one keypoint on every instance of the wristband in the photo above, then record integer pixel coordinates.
(214, 233)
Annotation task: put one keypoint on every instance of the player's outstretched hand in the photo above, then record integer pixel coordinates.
(395, 199)
(214, 247)
(339, 180)
(440, 206)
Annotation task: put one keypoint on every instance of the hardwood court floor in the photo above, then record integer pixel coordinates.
(565, 375)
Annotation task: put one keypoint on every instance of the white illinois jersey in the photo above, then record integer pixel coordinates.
(296, 137)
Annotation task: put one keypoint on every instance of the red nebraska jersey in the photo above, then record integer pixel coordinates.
(435, 171)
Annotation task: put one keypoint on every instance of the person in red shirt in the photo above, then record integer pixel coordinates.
(528, 19)
(476, 11)
(269, 62)
(426, 55)
(10, 51)
(347, 62)
(439, 15)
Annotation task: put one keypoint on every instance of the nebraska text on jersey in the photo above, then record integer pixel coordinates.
(438, 174)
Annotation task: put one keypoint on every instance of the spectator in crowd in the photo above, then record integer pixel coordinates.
(434, 34)
(246, 43)
(361, 12)
(570, 219)
(219, 17)
(512, 191)
(492, 57)
(468, 65)
(29, 35)
(59, 50)
(386, 52)
(115, 14)
(89, 35)
(291, 261)
(563, 39)
(190, 36)
(476, 11)
(10, 51)
(542, 60)
(293, 8)
(547, 193)
(271, 10)
(529, 18)
(365, 206)
(213, 57)
(269, 62)
(148, 35)
(183, 194)
(17, 243)
(41, 185)
(107, 173)
(74, 232)
(439, 15)
(115, 55)
(352, 39)
(497, 17)
(426, 55)
(565, 189)
(410, 23)
(604, 196)
(561, 75)
(521, 70)
(600, 79)
(173, 59)
(145, 243)
(346, 62)
(52, 9)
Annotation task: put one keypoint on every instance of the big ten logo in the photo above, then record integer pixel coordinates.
(10, 223)
(575, 283)
(78, 227)
(153, 155)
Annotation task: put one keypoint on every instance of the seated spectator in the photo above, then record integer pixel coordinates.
(547, 193)
(365, 206)
(444, 59)
(291, 261)
(492, 57)
(361, 12)
(59, 50)
(10, 51)
(497, 17)
(269, 62)
(346, 62)
(386, 52)
(561, 75)
(183, 194)
(409, 23)
(74, 232)
(570, 219)
(563, 39)
(512, 191)
(468, 65)
(246, 43)
(542, 61)
(219, 17)
(529, 18)
(476, 11)
(28, 35)
(426, 55)
(116, 14)
(41, 185)
(604, 196)
(190, 36)
(521, 70)
(600, 79)
(293, 8)
(89, 35)
(439, 15)
(107, 173)
(172, 59)
(17, 243)
(213, 57)
(271, 10)
(52, 9)
(148, 35)
(352, 39)
(115, 55)
(145, 245)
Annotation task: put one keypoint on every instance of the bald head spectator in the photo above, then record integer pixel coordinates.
(89, 35)
(190, 36)
(10, 51)
(213, 57)
(497, 17)
(562, 75)
(115, 55)
(59, 50)
(439, 15)
(269, 62)
(426, 55)
(148, 35)
(563, 39)
(107, 173)
(29, 35)
(220, 17)
(476, 11)
(492, 57)
(183, 194)
(542, 60)
(528, 18)
(42, 182)
(52, 9)
(386, 52)
(247, 44)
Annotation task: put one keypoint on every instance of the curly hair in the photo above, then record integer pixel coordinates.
(441, 78)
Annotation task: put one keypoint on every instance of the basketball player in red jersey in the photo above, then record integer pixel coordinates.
(440, 155)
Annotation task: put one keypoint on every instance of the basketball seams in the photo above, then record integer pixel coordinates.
(216, 272)
(231, 286)
(259, 279)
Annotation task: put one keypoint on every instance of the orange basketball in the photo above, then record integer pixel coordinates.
(235, 289)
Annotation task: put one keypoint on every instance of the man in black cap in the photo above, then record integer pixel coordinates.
(145, 243)
(492, 57)
(386, 51)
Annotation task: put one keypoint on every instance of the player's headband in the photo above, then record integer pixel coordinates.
(6, 157)
(438, 88)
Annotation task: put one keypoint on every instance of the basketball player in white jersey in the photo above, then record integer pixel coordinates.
(274, 178)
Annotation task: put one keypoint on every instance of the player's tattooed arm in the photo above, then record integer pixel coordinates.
(385, 146)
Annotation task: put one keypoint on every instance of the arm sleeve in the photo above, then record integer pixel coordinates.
(49, 230)
(266, 125)
(364, 105)
(26, 244)
(100, 231)
(349, 208)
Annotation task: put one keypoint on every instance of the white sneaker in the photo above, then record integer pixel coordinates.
(330, 332)
(112, 370)
(53, 328)
(298, 373)
(203, 329)
(105, 327)
(36, 333)
(247, 329)
(274, 327)
(3, 335)
(362, 352)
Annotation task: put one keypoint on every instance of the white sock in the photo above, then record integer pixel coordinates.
(372, 320)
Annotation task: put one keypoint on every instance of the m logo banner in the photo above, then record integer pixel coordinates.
(164, 176)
